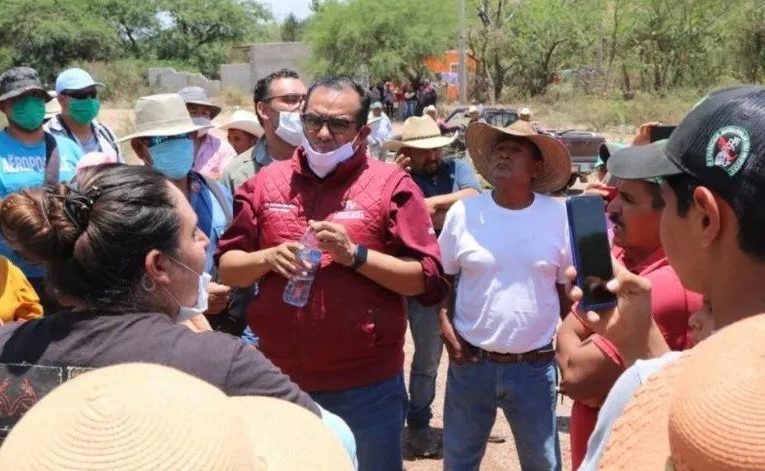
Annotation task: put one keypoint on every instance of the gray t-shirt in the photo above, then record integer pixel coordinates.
(620, 395)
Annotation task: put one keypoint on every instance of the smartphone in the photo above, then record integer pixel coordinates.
(661, 131)
(591, 251)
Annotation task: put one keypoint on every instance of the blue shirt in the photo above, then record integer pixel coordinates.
(452, 175)
(210, 214)
(23, 166)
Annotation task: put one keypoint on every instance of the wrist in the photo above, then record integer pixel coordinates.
(359, 256)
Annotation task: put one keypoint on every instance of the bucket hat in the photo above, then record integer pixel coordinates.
(147, 417)
(556, 161)
(198, 96)
(20, 81)
(161, 115)
(420, 132)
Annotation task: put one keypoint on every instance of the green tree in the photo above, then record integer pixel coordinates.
(385, 39)
(135, 20)
(292, 29)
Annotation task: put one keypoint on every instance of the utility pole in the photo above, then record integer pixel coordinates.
(463, 77)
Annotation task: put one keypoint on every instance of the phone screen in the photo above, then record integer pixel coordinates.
(592, 255)
(661, 131)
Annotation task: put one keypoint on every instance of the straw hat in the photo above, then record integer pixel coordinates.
(198, 96)
(556, 161)
(148, 417)
(420, 132)
(161, 115)
(705, 411)
(244, 121)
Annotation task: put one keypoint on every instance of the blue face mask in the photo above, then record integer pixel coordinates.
(173, 157)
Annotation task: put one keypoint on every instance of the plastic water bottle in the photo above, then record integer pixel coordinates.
(298, 288)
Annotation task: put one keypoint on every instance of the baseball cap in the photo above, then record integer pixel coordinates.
(75, 79)
(720, 142)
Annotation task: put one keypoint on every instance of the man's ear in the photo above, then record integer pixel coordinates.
(707, 212)
(141, 149)
(155, 267)
(262, 110)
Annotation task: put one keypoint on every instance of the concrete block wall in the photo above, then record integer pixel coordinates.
(168, 80)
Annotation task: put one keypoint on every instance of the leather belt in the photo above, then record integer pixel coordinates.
(545, 353)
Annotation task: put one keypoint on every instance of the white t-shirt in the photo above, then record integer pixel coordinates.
(509, 262)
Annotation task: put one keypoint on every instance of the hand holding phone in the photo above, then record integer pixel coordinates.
(591, 251)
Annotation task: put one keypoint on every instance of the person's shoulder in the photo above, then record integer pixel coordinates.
(549, 204)
(67, 147)
(645, 368)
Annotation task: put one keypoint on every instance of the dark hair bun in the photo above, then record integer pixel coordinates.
(35, 224)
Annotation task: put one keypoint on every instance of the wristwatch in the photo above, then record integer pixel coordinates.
(359, 257)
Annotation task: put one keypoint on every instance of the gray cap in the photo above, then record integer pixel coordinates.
(20, 81)
(642, 162)
(198, 96)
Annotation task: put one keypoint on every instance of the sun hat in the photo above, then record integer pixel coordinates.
(703, 412)
(161, 115)
(75, 79)
(20, 81)
(376, 106)
(420, 132)
(147, 417)
(198, 96)
(556, 161)
(720, 142)
(525, 111)
(430, 108)
(472, 109)
(244, 121)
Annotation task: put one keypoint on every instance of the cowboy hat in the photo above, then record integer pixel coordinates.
(161, 115)
(556, 161)
(704, 411)
(198, 96)
(420, 132)
(244, 121)
(146, 417)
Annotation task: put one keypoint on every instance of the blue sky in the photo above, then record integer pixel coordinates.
(282, 8)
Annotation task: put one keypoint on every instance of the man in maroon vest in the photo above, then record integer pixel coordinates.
(345, 347)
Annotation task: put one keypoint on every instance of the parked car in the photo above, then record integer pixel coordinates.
(583, 147)
(458, 120)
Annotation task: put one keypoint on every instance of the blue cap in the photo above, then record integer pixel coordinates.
(75, 79)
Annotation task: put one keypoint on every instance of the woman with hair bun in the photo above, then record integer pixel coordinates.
(121, 242)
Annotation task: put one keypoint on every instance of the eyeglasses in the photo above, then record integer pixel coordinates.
(290, 98)
(314, 123)
(157, 140)
(81, 94)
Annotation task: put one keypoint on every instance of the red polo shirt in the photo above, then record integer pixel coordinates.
(672, 306)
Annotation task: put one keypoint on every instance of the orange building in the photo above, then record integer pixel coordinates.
(448, 65)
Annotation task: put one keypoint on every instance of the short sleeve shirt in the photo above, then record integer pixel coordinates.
(452, 175)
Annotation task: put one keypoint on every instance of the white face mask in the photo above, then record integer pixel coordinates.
(187, 312)
(201, 121)
(322, 163)
(290, 128)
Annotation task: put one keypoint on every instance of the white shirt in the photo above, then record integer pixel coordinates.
(509, 262)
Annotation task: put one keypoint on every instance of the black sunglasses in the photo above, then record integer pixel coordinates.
(314, 123)
(157, 140)
(81, 94)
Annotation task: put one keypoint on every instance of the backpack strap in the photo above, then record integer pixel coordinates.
(52, 160)
(222, 201)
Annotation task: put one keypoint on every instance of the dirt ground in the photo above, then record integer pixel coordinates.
(499, 456)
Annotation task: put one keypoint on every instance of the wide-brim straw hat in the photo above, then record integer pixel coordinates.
(162, 115)
(556, 161)
(420, 132)
(149, 417)
(706, 411)
(198, 96)
(244, 121)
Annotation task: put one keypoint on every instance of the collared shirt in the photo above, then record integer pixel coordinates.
(245, 165)
(213, 156)
(381, 133)
(211, 216)
(452, 175)
(102, 139)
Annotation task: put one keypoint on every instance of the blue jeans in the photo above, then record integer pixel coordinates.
(423, 322)
(524, 391)
(375, 414)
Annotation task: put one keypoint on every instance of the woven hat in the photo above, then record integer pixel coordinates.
(149, 417)
(420, 132)
(198, 96)
(556, 161)
(20, 81)
(705, 411)
(161, 115)
(244, 121)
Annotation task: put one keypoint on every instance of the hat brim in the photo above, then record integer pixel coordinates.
(94, 84)
(241, 125)
(426, 143)
(642, 162)
(215, 109)
(32, 90)
(556, 161)
(173, 130)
